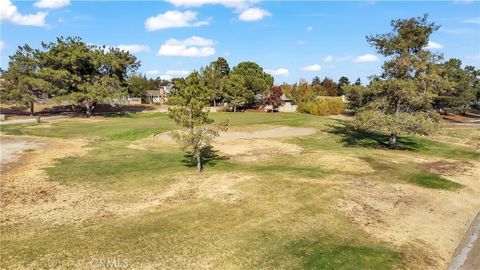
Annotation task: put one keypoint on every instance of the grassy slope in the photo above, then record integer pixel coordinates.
(283, 223)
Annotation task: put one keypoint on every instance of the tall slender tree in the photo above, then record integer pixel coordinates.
(191, 115)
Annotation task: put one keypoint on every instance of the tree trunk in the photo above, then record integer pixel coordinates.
(89, 107)
(32, 109)
(214, 103)
(392, 141)
(199, 163)
(234, 108)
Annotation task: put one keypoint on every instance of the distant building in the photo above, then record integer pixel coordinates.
(159, 96)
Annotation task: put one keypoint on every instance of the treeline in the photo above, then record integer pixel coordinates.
(68, 70)
(242, 86)
(457, 89)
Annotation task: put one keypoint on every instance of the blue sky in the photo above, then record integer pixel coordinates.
(291, 39)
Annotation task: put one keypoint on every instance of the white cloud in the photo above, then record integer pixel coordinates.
(169, 74)
(331, 58)
(433, 45)
(328, 58)
(9, 12)
(236, 4)
(310, 28)
(300, 42)
(226, 54)
(2, 45)
(278, 72)
(152, 72)
(173, 19)
(244, 7)
(190, 47)
(191, 41)
(315, 67)
(134, 48)
(366, 58)
(177, 72)
(472, 20)
(51, 3)
(254, 14)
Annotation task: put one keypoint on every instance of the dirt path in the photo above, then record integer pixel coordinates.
(10, 148)
(467, 254)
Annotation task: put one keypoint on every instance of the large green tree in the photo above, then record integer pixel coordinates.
(257, 81)
(236, 91)
(410, 80)
(215, 75)
(466, 85)
(191, 115)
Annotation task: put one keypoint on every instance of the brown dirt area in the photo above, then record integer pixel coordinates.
(428, 221)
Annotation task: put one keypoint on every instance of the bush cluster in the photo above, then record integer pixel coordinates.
(323, 106)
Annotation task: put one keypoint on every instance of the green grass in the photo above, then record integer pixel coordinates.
(280, 222)
(431, 180)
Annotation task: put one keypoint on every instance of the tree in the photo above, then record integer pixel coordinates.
(341, 82)
(24, 82)
(236, 91)
(215, 75)
(358, 82)
(138, 85)
(330, 86)
(358, 96)
(257, 81)
(300, 92)
(465, 86)
(274, 99)
(222, 65)
(191, 115)
(86, 74)
(316, 81)
(404, 92)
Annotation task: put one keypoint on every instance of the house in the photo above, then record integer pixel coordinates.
(159, 96)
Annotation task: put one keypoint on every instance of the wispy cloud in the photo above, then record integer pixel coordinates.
(51, 4)
(134, 48)
(472, 20)
(463, 1)
(310, 28)
(2, 45)
(331, 58)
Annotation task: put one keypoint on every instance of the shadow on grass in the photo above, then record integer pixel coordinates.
(354, 137)
(210, 157)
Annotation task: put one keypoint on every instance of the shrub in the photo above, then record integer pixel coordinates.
(323, 106)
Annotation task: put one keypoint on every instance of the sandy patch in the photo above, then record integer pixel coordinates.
(218, 187)
(249, 150)
(431, 221)
(26, 193)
